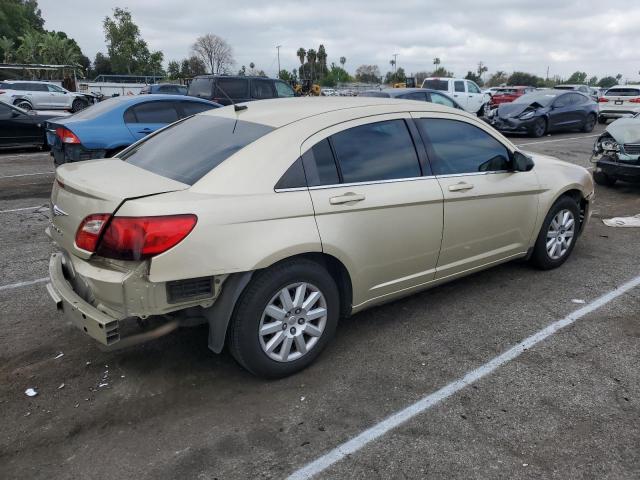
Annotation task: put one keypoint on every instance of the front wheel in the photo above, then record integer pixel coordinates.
(539, 128)
(23, 104)
(78, 105)
(558, 234)
(284, 318)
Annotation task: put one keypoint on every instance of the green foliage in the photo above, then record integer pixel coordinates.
(128, 52)
(577, 77)
(102, 65)
(173, 69)
(525, 79)
(395, 77)
(441, 71)
(285, 75)
(607, 82)
(6, 48)
(335, 75)
(496, 79)
(192, 66)
(474, 77)
(368, 74)
(593, 81)
(17, 17)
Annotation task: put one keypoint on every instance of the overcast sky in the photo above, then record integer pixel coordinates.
(595, 36)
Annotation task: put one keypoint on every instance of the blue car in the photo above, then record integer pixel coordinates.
(104, 129)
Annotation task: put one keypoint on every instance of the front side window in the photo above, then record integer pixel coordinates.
(472, 87)
(376, 151)
(154, 112)
(562, 101)
(459, 86)
(55, 89)
(235, 88)
(284, 90)
(261, 89)
(456, 147)
(188, 150)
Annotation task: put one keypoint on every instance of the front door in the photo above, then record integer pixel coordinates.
(374, 209)
(489, 210)
(475, 97)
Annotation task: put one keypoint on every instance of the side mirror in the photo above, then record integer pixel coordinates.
(521, 162)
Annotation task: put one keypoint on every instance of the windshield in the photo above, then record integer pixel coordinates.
(188, 150)
(542, 97)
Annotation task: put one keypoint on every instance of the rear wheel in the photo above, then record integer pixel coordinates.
(539, 128)
(23, 104)
(603, 179)
(284, 318)
(558, 234)
(589, 123)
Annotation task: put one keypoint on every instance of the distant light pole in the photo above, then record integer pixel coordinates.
(395, 62)
(278, 48)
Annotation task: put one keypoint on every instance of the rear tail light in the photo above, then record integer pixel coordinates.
(66, 135)
(89, 231)
(635, 100)
(136, 238)
(603, 100)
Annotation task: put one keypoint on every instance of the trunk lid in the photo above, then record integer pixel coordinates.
(98, 186)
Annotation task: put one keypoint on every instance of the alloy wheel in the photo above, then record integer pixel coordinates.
(293, 322)
(560, 234)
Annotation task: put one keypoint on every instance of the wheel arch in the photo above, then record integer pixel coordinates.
(579, 197)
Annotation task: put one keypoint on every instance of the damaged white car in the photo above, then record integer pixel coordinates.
(616, 152)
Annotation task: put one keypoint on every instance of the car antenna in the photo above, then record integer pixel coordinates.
(237, 108)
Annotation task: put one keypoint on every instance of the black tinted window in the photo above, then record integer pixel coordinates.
(294, 177)
(201, 87)
(167, 89)
(457, 147)
(261, 89)
(623, 92)
(562, 101)
(458, 86)
(415, 96)
(188, 150)
(232, 87)
(320, 166)
(191, 108)
(376, 151)
(155, 112)
(435, 84)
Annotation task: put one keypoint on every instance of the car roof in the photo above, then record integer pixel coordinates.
(133, 99)
(28, 81)
(235, 76)
(283, 111)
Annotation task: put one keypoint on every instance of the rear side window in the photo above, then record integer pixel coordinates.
(232, 88)
(188, 150)
(458, 86)
(442, 100)
(376, 151)
(320, 166)
(167, 89)
(456, 147)
(415, 96)
(153, 112)
(374, 94)
(201, 87)
(262, 89)
(284, 90)
(435, 84)
(191, 108)
(623, 92)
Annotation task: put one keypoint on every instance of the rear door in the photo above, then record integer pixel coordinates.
(374, 209)
(489, 211)
(460, 94)
(145, 118)
(58, 98)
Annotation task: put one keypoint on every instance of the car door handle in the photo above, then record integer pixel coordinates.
(145, 130)
(460, 187)
(346, 198)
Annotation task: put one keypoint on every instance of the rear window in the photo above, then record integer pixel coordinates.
(623, 92)
(188, 150)
(200, 87)
(436, 84)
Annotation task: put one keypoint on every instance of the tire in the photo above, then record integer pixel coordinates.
(484, 109)
(589, 123)
(602, 120)
(23, 104)
(78, 105)
(603, 179)
(539, 128)
(547, 255)
(251, 349)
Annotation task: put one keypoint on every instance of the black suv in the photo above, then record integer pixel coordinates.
(227, 89)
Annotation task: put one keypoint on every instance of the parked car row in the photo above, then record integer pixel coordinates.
(37, 95)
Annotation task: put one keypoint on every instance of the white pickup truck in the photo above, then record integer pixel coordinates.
(465, 92)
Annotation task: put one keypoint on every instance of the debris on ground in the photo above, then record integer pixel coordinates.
(622, 221)
(61, 386)
(578, 300)
(58, 356)
(31, 392)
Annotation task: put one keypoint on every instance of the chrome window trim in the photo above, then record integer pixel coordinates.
(470, 174)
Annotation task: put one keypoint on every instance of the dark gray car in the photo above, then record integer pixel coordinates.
(420, 94)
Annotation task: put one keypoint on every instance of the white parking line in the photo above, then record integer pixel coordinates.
(11, 286)
(425, 403)
(557, 140)
(27, 174)
(23, 209)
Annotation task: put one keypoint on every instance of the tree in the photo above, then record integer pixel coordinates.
(396, 77)
(173, 69)
(577, 77)
(368, 74)
(420, 76)
(128, 52)
(497, 79)
(29, 49)
(436, 62)
(343, 60)
(441, 72)
(243, 71)
(285, 76)
(311, 61)
(301, 53)
(6, 47)
(18, 17)
(392, 62)
(482, 68)
(192, 66)
(523, 78)
(102, 64)
(618, 77)
(593, 81)
(215, 52)
(474, 77)
(322, 61)
(607, 82)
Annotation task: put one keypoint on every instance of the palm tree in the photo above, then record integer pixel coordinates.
(301, 54)
(29, 48)
(343, 60)
(393, 63)
(436, 62)
(311, 60)
(6, 45)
